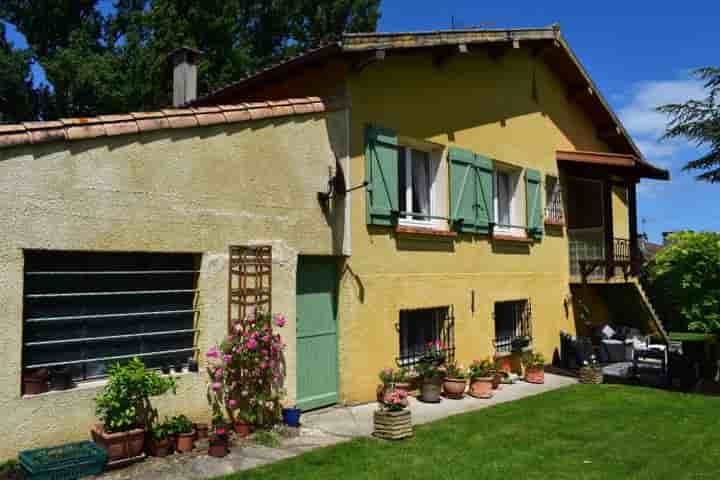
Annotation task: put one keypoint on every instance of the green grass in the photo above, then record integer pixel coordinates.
(692, 336)
(579, 432)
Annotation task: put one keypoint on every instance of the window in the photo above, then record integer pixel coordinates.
(422, 326)
(86, 311)
(419, 200)
(509, 213)
(512, 325)
(554, 214)
(585, 203)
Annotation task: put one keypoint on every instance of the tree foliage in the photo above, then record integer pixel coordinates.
(699, 122)
(100, 61)
(684, 282)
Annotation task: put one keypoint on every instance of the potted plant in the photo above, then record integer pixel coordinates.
(431, 376)
(183, 428)
(520, 344)
(243, 424)
(393, 380)
(482, 375)
(35, 381)
(534, 367)
(392, 420)
(159, 440)
(125, 410)
(591, 372)
(455, 381)
(218, 445)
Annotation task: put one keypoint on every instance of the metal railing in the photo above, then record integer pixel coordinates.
(588, 258)
(554, 213)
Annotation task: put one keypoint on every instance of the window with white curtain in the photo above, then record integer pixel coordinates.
(508, 202)
(419, 195)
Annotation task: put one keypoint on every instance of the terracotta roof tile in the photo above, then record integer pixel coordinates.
(68, 129)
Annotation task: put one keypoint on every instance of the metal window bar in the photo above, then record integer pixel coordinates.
(115, 357)
(442, 328)
(554, 213)
(82, 341)
(521, 324)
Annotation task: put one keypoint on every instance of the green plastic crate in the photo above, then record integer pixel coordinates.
(64, 462)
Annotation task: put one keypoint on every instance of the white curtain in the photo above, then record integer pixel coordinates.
(421, 182)
(504, 198)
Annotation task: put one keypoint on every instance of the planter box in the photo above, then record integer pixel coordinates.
(481, 387)
(393, 425)
(592, 375)
(535, 375)
(74, 460)
(120, 445)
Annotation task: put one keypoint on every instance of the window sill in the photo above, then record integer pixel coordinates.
(555, 223)
(425, 231)
(94, 385)
(512, 238)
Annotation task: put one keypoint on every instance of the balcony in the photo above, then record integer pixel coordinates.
(589, 261)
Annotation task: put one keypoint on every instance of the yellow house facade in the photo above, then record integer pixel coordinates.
(466, 141)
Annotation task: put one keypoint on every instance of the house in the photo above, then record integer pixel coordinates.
(470, 187)
(501, 195)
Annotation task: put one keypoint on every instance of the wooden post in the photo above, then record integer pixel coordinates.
(609, 234)
(632, 222)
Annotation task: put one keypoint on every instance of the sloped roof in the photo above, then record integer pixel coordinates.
(112, 125)
(546, 41)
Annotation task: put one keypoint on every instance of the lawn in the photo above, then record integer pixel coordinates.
(580, 432)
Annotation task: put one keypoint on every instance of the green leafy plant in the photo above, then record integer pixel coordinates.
(481, 368)
(125, 403)
(267, 438)
(533, 360)
(453, 370)
(519, 343)
(180, 424)
(161, 431)
(683, 281)
(388, 375)
(429, 370)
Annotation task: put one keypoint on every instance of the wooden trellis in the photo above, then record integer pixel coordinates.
(250, 282)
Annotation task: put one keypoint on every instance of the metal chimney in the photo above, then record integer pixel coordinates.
(185, 61)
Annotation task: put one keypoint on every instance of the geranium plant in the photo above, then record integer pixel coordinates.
(481, 369)
(454, 370)
(247, 371)
(395, 400)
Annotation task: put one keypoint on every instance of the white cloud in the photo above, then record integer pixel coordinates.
(639, 115)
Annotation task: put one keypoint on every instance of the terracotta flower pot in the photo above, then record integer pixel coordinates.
(242, 428)
(218, 448)
(454, 388)
(172, 440)
(431, 389)
(35, 381)
(119, 445)
(535, 375)
(160, 448)
(185, 442)
(482, 387)
(505, 364)
(201, 431)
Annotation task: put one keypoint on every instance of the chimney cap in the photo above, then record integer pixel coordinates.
(194, 53)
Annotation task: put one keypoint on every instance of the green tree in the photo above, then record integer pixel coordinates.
(699, 122)
(116, 61)
(17, 98)
(684, 282)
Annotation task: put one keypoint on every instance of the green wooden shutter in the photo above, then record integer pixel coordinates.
(534, 203)
(484, 170)
(381, 170)
(463, 190)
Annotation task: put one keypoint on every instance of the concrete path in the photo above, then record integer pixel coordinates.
(319, 429)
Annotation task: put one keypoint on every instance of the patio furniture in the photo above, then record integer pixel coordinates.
(613, 351)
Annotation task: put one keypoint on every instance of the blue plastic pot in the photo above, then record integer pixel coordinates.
(291, 417)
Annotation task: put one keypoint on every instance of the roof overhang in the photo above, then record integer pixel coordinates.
(630, 163)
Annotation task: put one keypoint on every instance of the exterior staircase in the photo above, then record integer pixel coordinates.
(629, 301)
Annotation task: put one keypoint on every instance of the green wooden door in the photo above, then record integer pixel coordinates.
(317, 365)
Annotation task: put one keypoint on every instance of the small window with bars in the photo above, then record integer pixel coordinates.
(512, 326)
(554, 214)
(421, 327)
(84, 311)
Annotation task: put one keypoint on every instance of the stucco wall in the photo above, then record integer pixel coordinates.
(195, 190)
(514, 110)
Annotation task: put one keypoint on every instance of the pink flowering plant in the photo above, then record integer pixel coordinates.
(247, 371)
(394, 400)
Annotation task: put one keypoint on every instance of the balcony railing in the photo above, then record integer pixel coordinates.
(554, 214)
(589, 261)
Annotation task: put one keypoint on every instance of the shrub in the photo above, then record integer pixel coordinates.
(124, 403)
(684, 282)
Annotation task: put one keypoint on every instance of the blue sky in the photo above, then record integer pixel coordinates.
(638, 52)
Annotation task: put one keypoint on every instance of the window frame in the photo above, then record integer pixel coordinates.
(437, 186)
(443, 327)
(521, 324)
(517, 206)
